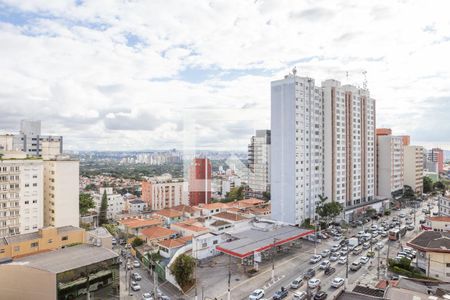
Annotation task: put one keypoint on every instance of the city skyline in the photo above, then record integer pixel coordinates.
(108, 78)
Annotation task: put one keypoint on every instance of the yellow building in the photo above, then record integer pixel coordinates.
(46, 239)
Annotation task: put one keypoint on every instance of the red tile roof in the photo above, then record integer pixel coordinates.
(440, 219)
(169, 213)
(189, 226)
(158, 232)
(229, 216)
(137, 223)
(175, 243)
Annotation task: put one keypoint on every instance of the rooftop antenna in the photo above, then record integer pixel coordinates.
(346, 75)
(365, 79)
(294, 71)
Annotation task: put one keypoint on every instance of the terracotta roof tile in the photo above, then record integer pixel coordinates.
(158, 232)
(169, 213)
(229, 216)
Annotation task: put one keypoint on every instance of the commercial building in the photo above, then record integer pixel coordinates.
(390, 164)
(61, 192)
(136, 206)
(413, 167)
(62, 274)
(30, 140)
(443, 205)
(437, 155)
(349, 145)
(45, 239)
(164, 192)
(200, 173)
(441, 223)
(21, 194)
(116, 203)
(296, 148)
(259, 164)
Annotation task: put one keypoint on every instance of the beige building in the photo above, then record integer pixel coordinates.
(164, 192)
(21, 193)
(61, 192)
(413, 165)
(439, 223)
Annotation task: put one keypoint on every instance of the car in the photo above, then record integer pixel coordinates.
(129, 266)
(300, 295)
(136, 276)
(315, 259)
(410, 227)
(364, 259)
(357, 251)
(374, 234)
(435, 213)
(309, 274)
(374, 241)
(359, 223)
(405, 254)
(122, 242)
(342, 260)
(337, 237)
(135, 286)
(136, 264)
(335, 248)
(422, 221)
(164, 297)
(402, 215)
(337, 282)
(379, 246)
(343, 253)
(329, 271)
(313, 283)
(113, 241)
(410, 251)
(281, 294)
(334, 257)
(374, 227)
(321, 295)
(395, 277)
(325, 253)
(296, 283)
(360, 234)
(370, 254)
(408, 222)
(256, 295)
(147, 296)
(366, 245)
(384, 234)
(355, 266)
(325, 264)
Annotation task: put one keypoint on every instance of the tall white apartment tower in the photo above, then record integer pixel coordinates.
(259, 163)
(349, 145)
(296, 148)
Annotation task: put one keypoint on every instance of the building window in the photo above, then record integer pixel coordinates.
(16, 248)
(2, 250)
(448, 265)
(50, 241)
(34, 245)
(64, 238)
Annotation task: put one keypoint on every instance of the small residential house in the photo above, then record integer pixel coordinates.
(188, 211)
(169, 215)
(167, 248)
(188, 228)
(204, 246)
(213, 208)
(156, 234)
(136, 206)
(136, 225)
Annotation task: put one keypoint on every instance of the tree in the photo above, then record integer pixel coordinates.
(85, 203)
(137, 242)
(103, 216)
(236, 193)
(328, 210)
(439, 185)
(266, 196)
(183, 270)
(427, 185)
(408, 192)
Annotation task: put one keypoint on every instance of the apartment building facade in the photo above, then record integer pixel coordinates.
(164, 192)
(200, 174)
(21, 194)
(413, 167)
(116, 203)
(61, 192)
(296, 148)
(349, 145)
(390, 164)
(259, 164)
(437, 155)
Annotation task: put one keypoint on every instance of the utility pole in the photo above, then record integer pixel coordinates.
(428, 269)
(229, 277)
(378, 269)
(273, 260)
(387, 256)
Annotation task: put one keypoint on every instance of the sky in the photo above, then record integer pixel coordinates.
(137, 75)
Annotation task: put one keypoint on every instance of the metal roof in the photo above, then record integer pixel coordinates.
(256, 240)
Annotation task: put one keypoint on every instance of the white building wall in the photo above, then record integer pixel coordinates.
(390, 165)
(413, 164)
(116, 203)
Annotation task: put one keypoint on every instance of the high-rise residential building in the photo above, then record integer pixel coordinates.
(164, 192)
(21, 194)
(61, 192)
(116, 203)
(390, 164)
(296, 148)
(437, 155)
(30, 140)
(259, 164)
(200, 173)
(413, 165)
(349, 145)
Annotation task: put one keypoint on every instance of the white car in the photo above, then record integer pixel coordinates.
(360, 234)
(136, 264)
(296, 283)
(342, 260)
(334, 257)
(256, 295)
(315, 259)
(313, 283)
(364, 259)
(135, 287)
(337, 282)
(300, 295)
(325, 253)
(325, 264)
(147, 296)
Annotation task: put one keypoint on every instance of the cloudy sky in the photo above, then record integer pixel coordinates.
(132, 75)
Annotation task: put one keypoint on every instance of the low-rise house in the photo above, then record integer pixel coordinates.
(90, 218)
(189, 228)
(230, 217)
(204, 246)
(136, 206)
(248, 203)
(217, 226)
(438, 223)
(156, 234)
(212, 208)
(99, 237)
(188, 211)
(136, 225)
(167, 248)
(46, 239)
(169, 215)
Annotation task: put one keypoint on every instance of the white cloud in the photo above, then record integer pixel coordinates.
(122, 74)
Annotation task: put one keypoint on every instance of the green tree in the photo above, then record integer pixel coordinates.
(427, 185)
(266, 196)
(440, 186)
(236, 193)
(137, 242)
(328, 210)
(408, 192)
(85, 203)
(103, 216)
(183, 270)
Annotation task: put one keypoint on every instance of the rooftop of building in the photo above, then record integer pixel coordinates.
(432, 241)
(218, 223)
(229, 216)
(190, 226)
(69, 258)
(158, 232)
(136, 201)
(186, 208)
(100, 232)
(169, 213)
(439, 219)
(137, 222)
(212, 206)
(35, 235)
(175, 243)
(247, 203)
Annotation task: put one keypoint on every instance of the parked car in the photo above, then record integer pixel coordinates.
(384, 234)
(300, 295)
(335, 248)
(113, 241)
(410, 227)
(355, 266)
(334, 257)
(321, 295)
(281, 294)
(256, 295)
(313, 283)
(136, 276)
(325, 264)
(329, 271)
(402, 215)
(315, 259)
(135, 286)
(325, 253)
(364, 259)
(309, 274)
(147, 296)
(342, 260)
(370, 254)
(337, 282)
(296, 283)
(366, 245)
(357, 251)
(136, 264)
